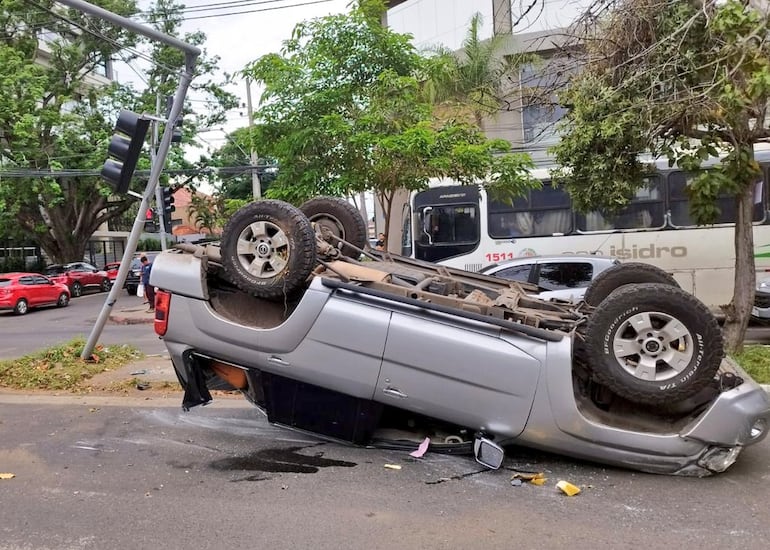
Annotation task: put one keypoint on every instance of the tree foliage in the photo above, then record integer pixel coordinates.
(681, 80)
(343, 112)
(471, 83)
(56, 119)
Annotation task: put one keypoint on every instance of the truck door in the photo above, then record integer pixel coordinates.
(462, 372)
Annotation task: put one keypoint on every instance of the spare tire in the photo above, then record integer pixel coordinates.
(268, 249)
(338, 217)
(612, 278)
(653, 344)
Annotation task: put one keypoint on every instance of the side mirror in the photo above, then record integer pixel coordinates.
(426, 223)
(488, 453)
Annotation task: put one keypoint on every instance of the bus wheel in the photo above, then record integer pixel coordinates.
(268, 249)
(653, 344)
(339, 218)
(609, 280)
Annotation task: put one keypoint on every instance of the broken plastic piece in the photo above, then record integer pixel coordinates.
(142, 386)
(567, 488)
(7, 476)
(421, 449)
(138, 372)
(392, 466)
(516, 482)
(538, 481)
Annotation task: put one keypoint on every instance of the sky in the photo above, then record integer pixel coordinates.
(241, 31)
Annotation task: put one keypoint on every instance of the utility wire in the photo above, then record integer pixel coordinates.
(254, 10)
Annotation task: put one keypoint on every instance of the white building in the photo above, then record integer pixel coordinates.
(531, 25)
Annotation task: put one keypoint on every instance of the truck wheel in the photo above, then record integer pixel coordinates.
(268, 249)
(341, 219)
(609, 280)
(653, 344)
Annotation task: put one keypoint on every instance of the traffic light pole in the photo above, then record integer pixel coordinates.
(191, 55)
(153, 162)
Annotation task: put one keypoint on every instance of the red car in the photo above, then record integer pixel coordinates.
(21, 291)
(112, 270)
(79, 276)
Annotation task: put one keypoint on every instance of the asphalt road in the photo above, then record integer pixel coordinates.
(22, 334)
(145, 475)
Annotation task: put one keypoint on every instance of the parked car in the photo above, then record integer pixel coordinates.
(21, 291)
(79, 276)
(283, 311)
(563, 277)
(111, 269)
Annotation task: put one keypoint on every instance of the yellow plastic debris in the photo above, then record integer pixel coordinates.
(567, 488)
(392, 466)
(538, 481)
(7, 476)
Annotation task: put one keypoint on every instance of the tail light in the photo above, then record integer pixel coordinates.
(162, 303)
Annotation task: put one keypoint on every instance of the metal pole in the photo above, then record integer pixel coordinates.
(191, 54)
(158, 192)
(256, 187)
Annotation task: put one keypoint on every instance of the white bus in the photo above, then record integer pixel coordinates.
(460, 226)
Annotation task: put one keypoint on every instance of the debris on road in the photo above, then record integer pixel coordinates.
(568, 488)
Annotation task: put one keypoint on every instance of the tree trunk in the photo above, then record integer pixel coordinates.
(738, 312)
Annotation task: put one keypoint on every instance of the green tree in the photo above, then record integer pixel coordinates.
(56, 122)
(472, 81)
(50, 119)
(342, 112)
(683, 80)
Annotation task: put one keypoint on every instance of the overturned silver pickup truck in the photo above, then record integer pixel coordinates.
(328, 337)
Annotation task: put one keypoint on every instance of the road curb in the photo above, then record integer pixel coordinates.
(121, 320)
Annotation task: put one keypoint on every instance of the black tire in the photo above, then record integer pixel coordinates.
(131, 290)
(77, 290)
(268, 249)
(21, 307)
(105, 286)
(609, 280)
(63, 300)
(638, 338)
(341, 219)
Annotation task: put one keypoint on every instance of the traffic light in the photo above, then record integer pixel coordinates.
(176, 136)
(124, 150)
(167, 206)
(150, 223)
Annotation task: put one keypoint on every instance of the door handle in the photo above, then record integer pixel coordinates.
(394, 392)
(278, 361)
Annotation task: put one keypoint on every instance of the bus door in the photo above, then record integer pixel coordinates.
(446, 222)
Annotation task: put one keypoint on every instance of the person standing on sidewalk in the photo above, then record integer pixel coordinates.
(149, 291)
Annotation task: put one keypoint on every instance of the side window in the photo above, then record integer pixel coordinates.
(40, 280)
(544, 211)
(26, 280)
(515, 273)
(679, 204)
(558, 276)
(646, 210)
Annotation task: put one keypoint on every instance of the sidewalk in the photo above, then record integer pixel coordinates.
(131, 314)
(155, 370)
